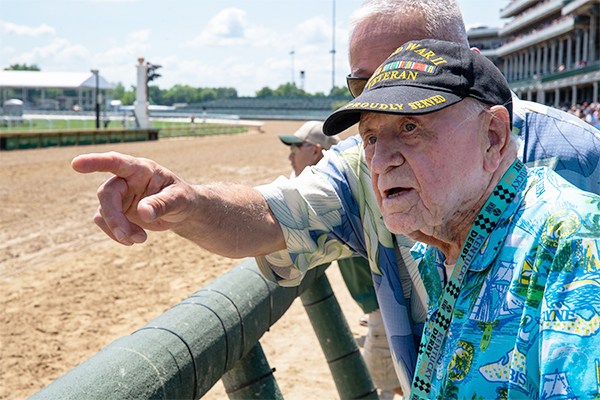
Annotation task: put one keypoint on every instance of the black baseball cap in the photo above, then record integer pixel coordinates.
(422, 77)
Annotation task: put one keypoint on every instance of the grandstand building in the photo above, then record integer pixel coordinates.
(548, 51)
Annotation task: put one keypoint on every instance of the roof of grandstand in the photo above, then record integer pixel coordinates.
(53, 79)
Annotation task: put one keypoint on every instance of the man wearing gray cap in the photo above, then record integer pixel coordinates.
(307, 145)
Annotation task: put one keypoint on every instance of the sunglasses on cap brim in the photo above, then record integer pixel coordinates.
(356, 85)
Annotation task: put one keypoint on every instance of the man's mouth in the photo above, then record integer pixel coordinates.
(395, 192)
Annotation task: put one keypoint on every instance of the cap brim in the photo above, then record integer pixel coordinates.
(290, 139)
(398, 100)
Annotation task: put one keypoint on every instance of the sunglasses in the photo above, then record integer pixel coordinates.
(356, 85)
(295, 148)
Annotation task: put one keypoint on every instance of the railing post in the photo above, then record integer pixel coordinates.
(350, 374)
(252, 378)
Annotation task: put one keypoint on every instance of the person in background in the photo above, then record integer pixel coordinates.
(306, 149)
(307, 145)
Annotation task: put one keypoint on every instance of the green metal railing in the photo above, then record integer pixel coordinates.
(18, 140)
(214, 334)
(73, 137)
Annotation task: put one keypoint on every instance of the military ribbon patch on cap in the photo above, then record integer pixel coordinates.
(388, 71)
(406, 65)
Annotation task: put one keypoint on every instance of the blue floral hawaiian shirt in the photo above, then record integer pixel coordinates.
(330, 212)
(527, 322)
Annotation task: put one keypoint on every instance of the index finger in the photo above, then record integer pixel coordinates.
(118, 164)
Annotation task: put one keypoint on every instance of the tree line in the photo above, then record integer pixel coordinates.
(176, 94)
(188, 94)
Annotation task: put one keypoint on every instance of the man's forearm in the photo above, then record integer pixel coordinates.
(232, 221)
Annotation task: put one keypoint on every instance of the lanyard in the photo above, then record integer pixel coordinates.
(485, 223)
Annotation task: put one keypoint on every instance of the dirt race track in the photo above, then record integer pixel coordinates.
(67, 291)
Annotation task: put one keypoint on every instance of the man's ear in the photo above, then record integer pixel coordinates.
(317, 153)
(497, 140)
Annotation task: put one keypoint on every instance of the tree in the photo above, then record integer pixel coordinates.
(129, 96)
(264, 92)
(155, 95)
(289, 90)
(340, 92)
(285, 90)
(24, 67)
(119, 91)
(177, 94)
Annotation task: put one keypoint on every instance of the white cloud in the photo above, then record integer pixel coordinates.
(23, 30)
(315, 31)
(39, 53)
(8, 50)
(73, 53)
(227, 28)
(263, 37)
(136, 45)
(57, 55)
(139, 36)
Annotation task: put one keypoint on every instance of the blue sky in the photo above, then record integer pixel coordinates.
(244, 44)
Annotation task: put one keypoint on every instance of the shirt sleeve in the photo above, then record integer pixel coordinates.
(560, 141)
(319, 216)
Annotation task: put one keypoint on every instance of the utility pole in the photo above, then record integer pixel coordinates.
(333, 50)
(292, 54)
(96, 72)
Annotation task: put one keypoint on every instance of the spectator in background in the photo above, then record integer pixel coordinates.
(306, 149)
(192, 119)
(105, 120)
(307, 145)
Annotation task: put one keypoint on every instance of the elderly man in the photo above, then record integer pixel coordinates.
(306, 149)
(519, 250)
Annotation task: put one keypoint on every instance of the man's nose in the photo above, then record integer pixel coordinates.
(291, 156)
(386, 156)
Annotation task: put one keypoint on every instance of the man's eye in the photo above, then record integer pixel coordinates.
(409, 127)
(371, 140)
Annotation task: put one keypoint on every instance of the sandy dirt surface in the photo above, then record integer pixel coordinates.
(67, 291)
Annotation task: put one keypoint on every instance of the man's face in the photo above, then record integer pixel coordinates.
(304, 154)
(424, 169)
